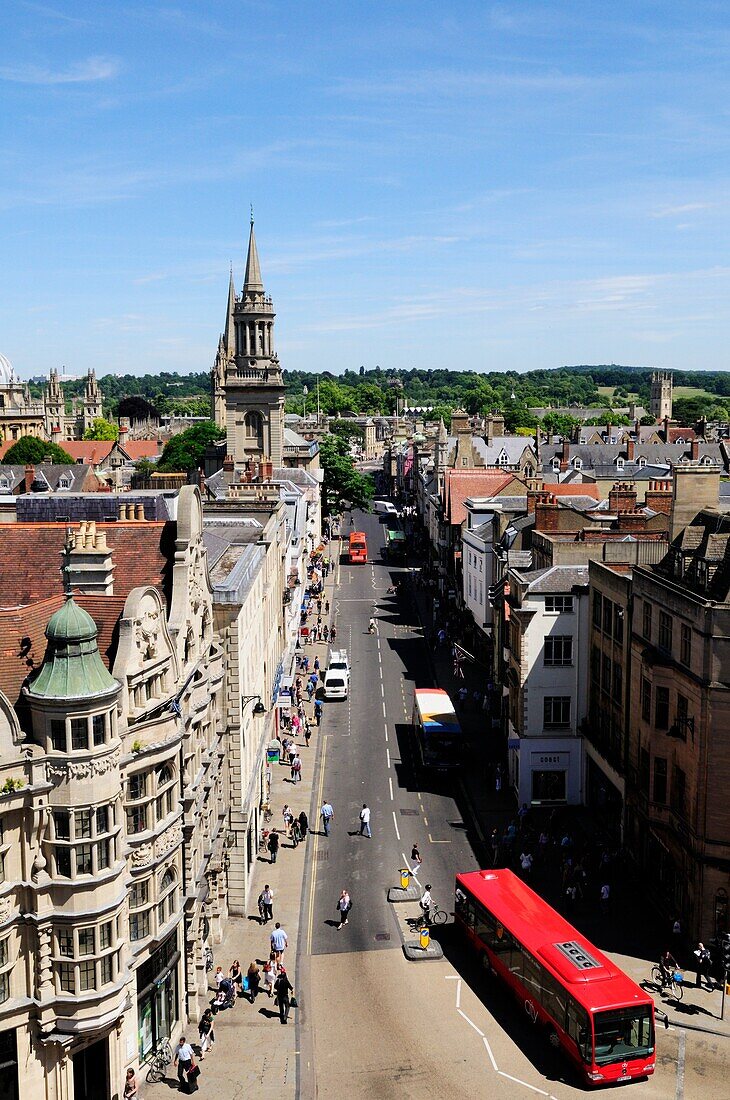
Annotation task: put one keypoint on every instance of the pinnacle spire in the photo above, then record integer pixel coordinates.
(253, 281)
(229, 337)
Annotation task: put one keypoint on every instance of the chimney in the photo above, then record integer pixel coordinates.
(122, 511)
(535, 497)
(139, 512)
(694, 450)
(575, 434)
(547, 514)
(659, 497)
(228, 464)
(123, 431)
(665, 428)
(56, 434)
(622, 498)
(90, 566)
(608, 432)
(701, 427)
(694, 488)
(29, 478)
(631, 522)
(489, 426)
(630, 448)
(565, 455)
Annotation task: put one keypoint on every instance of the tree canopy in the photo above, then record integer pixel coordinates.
(30, 449)
(342, 482)
(185, 451)
(101, 429)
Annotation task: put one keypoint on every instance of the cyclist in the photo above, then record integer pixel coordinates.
(371, 625)
(426, 902)
(667, 965)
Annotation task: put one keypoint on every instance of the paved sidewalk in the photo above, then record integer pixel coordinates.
(254, 1054)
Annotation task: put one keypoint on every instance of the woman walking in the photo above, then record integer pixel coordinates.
(206, 1033)
(344, 905)
(253, 977)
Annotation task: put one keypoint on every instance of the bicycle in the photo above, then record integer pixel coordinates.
(267, 812)
(160, 1060)
(434, 915)
(673, 983)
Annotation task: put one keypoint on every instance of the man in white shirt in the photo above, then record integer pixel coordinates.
(365, 821)
(426, 902)
(184, 1061)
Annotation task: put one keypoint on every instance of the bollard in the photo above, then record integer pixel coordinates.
(405, 878)
(425, 937)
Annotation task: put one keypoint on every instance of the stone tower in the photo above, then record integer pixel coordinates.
(246, 380)
(54, 408)
(92, 401)
(660, 404)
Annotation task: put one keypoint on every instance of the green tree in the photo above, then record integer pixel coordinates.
(646, 420)
(101, 429)
(185, 451)
(342, 482)
(30, 449)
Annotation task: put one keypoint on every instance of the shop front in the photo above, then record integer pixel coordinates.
(546, 771)
(157, 995)
(8, 1065)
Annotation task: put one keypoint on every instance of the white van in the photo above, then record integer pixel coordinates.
(336, 682)
(384, 508)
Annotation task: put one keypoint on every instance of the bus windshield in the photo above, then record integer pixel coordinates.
(623, 1034)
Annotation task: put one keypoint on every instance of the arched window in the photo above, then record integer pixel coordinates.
(254, 424)
(164, 775)
(167, 906)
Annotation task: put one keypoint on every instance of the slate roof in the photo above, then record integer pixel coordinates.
(51, 474)
(555, 579)
(605, 454)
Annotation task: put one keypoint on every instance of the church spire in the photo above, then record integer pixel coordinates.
(229, 335)
(253, 283)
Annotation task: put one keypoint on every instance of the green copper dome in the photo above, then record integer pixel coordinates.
(72, 667)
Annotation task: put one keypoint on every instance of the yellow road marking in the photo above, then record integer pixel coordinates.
(432, 841)
(315, 847)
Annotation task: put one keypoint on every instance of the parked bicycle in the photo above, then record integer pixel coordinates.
(672, 983)
(160, 1060)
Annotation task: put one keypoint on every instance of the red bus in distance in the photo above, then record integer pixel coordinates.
(358, 547)
(600, 1017)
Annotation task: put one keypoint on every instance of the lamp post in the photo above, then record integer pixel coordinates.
(259, 709)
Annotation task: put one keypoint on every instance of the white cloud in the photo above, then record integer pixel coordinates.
(82, 72)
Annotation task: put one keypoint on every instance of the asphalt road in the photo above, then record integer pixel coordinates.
(381, 1026)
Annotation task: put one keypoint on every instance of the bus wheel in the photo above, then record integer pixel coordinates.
(553, 1039)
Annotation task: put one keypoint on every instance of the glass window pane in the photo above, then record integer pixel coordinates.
(105, 935)
(61, 824)
(83, 824)
(87, 975)
(83, 859)
(86, 941)
(107, 969)
(66, 977)
(79, 733)
(102, 820)
(65, 942)
(58, 735)
(98, 725)
(102, 854)
(63, 862)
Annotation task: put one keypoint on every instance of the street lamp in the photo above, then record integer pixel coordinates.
(259, 709)
(305, 391)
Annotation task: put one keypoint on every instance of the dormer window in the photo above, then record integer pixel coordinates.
(503, 458)
(620, 463)
(642, 462)
(705, 460)
(64, 482)
(577, 463)
(556, 465)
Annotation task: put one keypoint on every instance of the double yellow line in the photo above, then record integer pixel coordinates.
(315, 847)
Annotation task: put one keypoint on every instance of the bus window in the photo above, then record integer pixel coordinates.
(531, 974)
(485, 927)
(502, 944)
(464, 908)
(554, 998)
(579, 1029)
(622, 1034)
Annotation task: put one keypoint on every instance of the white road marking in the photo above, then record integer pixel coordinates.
(489, 1052)
(386, 733)
(518, 1082)
(472, 1024)
(458, 994)
(679, 1092)
(396, 825)
(387, 753)
(382, 690)
(385, 714)
(390, 784)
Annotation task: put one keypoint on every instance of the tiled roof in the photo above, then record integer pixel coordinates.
(461, 484)
(576, 489)
(142, 553)
(141, 448)
(91, 451)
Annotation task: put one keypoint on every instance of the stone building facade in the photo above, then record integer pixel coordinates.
(22, 415)
(114, 797)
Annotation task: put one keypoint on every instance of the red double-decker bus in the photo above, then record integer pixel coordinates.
(358, 547)
(603, 1020)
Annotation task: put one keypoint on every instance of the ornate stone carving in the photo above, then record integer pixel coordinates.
(168, 840)
(142, 856)
(44, 963)
(6, 908)
(148, 626)
(85, 769)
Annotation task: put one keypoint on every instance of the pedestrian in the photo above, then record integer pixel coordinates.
(316, 664)
(218, 976)
(325, 632)
(206, 1032)
(266, 904)
(253, 977)
(270, 971)
(365, 821)
(287, 818)
(462, 695)
(307, 732)
(310, 690)
(236, 975)
(605, 898)
(295, 831)
(326, 813)
(296, 769)
(333, 635)
(279, 941)
(303, 825)
(318, 708)
(703, 965)
(416, 860)
(131, 1086)
(498, 778)
(185, 1061)
(494, 841)
(327, 608)
(273, 845)
(344, 905)
(526, 863)
(282, 991)
(319, 605)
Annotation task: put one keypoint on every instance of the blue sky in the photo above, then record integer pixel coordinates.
(464, 185)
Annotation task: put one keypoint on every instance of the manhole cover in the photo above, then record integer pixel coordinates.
(382, 936)
(409, 813)
(322, 855)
